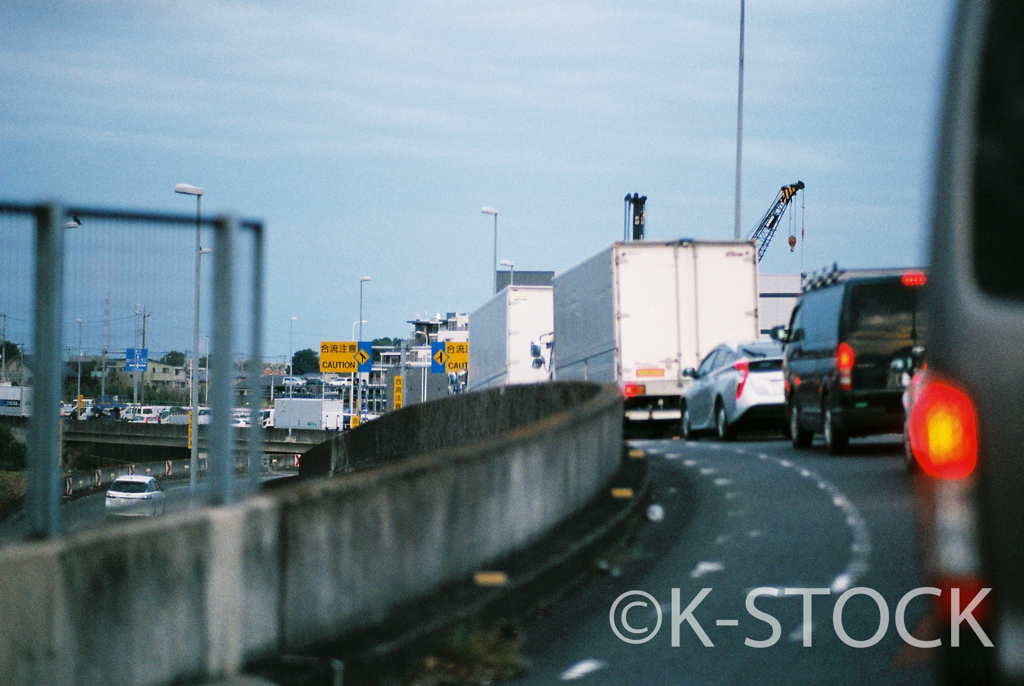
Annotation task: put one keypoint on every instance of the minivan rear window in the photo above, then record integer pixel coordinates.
(886, 309)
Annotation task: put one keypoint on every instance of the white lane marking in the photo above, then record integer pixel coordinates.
(722, 539)
(582, 669)
(704, 568)
(785, 463)
(754, 533)
(690, 463)
(708, 471)
(673, 456)
(723, 482)
(730, 496)
(860, 550)
(805, 473)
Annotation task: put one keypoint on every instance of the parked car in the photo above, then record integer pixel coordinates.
(850, 337)
(737, 386)
(135, 496)
(294, 381)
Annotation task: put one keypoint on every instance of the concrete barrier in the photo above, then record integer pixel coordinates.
(201, 594)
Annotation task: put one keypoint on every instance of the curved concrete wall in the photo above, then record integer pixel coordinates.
(201, 594)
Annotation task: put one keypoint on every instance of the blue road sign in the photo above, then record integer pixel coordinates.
(136, 360)
(438, 358)
(364, 356)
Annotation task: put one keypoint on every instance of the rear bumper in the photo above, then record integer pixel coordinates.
(875, 413)
(658, 408)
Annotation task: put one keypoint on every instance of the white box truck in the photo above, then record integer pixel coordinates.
(15, 401)
(639, 313)
(308, 413)
(500, 334)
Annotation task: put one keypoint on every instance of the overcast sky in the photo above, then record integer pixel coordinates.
(368, 135)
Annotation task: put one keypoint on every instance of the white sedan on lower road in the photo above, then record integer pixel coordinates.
(135, 496)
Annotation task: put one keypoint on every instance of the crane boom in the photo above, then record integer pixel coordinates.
(762, 235)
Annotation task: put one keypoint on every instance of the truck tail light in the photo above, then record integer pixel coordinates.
(944, 430)
(743, 367)
(844, 364)
(633, 389)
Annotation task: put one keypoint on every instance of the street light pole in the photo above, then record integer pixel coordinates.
(79, 394)
(291, 358)
(361, 322)
(739, 127)
(193, 469)
(491, 210)
(355, 377)
(511, 271)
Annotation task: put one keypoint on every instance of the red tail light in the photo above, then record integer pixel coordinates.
(944, 430)
(743, 366)
(844, 364)
(970, 588)
(631, 389)
(914, 279)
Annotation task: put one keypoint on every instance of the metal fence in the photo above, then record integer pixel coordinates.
(62, 267)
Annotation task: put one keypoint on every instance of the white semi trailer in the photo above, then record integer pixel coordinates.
(500, 334)
(639, 313)
(308, 413)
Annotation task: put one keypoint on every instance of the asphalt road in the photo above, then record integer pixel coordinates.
(89, 511)
(738, 516)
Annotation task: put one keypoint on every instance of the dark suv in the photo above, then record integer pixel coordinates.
(849, 353)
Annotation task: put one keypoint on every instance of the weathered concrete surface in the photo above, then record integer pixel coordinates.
(201, 594)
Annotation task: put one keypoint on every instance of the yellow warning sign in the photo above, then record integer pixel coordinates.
(398, 393)
(456, 356)
(339, 357)
(362, 356)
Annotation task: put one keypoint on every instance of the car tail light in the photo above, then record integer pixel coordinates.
(914, 279)
(844, 363)
(944, 430)
(743, 367)
(631, 389)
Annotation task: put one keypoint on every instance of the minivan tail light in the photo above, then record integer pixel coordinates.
(632, 389)
(844, 364)
(914, 279)
(743, 366)
(944, 430)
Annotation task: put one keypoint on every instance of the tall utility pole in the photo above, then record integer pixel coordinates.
(193, 421)
(739, 126)
(106, 347)
(144, 316)
(135, 342)
(3, 351)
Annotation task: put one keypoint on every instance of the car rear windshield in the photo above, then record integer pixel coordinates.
(886, 309)
(755, 350)
(128, 487)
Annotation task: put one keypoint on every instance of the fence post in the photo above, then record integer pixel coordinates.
(44, 491)
(222, 449)
(255, 432)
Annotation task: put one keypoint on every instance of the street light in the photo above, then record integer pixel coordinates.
(511, 271)
(361, 321)
(354, 324)
(193, 465)
(491, 210)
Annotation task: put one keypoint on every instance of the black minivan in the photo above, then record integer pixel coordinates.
(853, 340)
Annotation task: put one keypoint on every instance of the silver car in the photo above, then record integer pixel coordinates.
(135, 496)
(738, 385)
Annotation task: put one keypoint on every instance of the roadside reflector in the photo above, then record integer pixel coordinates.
(635, 452)
(131, 469)
(167, 468)
(67, 487)
(622, 492)
(98, 479)
(490, 578)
